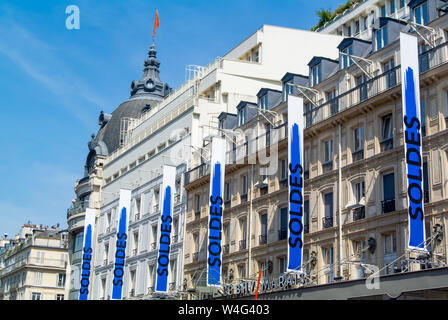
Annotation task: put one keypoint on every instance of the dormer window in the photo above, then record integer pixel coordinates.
(242, 116)
(421, 13)
(346, 60)
(263, 102)
(288, 89)
(381, 38)
(315, 75)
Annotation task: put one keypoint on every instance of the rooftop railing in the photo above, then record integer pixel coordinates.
(389, 79)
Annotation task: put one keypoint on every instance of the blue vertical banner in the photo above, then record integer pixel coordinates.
(412, 124)
(214, 245)
(121, 241)
(295, 183)
(87, 254)
(166, 220)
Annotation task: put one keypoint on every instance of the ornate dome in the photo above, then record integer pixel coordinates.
(145, 93)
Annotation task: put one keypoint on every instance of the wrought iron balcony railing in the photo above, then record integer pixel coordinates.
(225, 249)
(387, 144)
(359, 213)
(282, 234)
(262, 239)
(243, 244)
(357, 155)
(388, 205)
(327, 222)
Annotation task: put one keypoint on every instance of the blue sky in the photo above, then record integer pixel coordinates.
(54, 82)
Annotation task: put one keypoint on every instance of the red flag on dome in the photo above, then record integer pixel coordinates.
(156, 24)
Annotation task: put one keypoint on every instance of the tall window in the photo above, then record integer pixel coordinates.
(358, 191)
(264, 102)
(61, 280)
(242, 113)
(421, 13)
(283, 223)
(425, 182)
(423, 116)
(244, 185)
(381, 38)
(306, 216)
(263, 228)
(358, 248)
(402, 3)
(38, 278)
(281, 265)
(392, 6)
(316, 75)
(288, 89)
(388, 192)
(228, 191)
(283, 169)
(328, 151)
(328, 210)
(386, 132)
(390, 243)
(346, 60)
(362, 84)
(383, 11)
(390, 74)
(358, 138)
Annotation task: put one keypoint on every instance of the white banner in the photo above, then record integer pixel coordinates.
(87, 253)
(123, 213)
(166, 220)
(412, 124)
(216, 201)
(295, 183)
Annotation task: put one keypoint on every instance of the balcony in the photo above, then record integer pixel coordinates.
(358, 155)
(334, 106)
(262, 239)
(242, 244)
(387, 144)
(327, 166)
(197, 173)
(375, 86)
(306, 174)
(195, 256)
(306, 228)
(359, 213)
(388, 205)
(243, 197)
(327, 222)
(264, 191)
(426, 196)
(282, 234)
(77, 207)
(197, 215)
(225, 249)
(284, 183)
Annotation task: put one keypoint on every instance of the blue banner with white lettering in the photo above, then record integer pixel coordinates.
(120, 251)
(214, 245)
(295, 183)
(87, 251)
(412, 124)
(166, 219)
